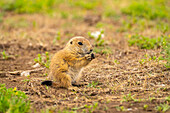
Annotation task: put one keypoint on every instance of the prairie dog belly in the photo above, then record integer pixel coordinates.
(74, 73)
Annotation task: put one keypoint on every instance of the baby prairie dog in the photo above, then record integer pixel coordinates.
(67, 64)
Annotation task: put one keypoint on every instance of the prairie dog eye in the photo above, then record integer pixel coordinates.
(71, 42)
(80, 43)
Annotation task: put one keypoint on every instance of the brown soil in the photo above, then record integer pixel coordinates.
(115, 79)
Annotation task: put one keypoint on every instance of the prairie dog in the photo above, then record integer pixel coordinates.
(67, 64)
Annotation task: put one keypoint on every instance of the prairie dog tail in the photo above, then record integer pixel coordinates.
(47, 82)
(50, 83)
(54, 84)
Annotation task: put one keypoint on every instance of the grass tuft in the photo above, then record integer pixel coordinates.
(27, 6)
(163, 107)
(44, 61)
(88, 5)
(147, 9)
(13, 101)
(146, 42)
(4, 55)
(166, 53)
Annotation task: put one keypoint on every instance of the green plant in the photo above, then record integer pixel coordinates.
(45, 74)
(101, 46)
(100, 25)
(116, 61)
(91, 108)
(39, 59)
(46, 62)
(16, 22)
(27, 6)
(34, 24)
(93, 84)
(99, 41)
(145, 107)
(149, 59)
(147, 9)
(163, 27)
(106, 50)
(21, 23)
(128, 98)
(26, 80)
(13, 101)
(46, 87)
(64, 15)
(163, 107)
(98, 49)
(4, 55)
(88, 5)
(110, 13)
(166, 52)
(103, 50)
(45, 111)
(120, 108)
(57, 37)
(1, 17)
(124, 28)
(142, 61)
(146, 43)
(66, 111)
(167, 98)
(151, 98)
(105, 108)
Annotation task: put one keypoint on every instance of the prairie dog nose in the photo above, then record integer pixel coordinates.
(90, 51)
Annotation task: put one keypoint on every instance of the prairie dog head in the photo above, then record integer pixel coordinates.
(79, 45)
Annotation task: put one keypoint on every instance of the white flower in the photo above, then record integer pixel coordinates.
(128, 109)
(36, 65)
(96, 34)
(25, 73)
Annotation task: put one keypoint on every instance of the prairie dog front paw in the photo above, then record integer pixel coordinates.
(92, 56)
(89, 56)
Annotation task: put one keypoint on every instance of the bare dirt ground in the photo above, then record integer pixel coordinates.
(117, 75)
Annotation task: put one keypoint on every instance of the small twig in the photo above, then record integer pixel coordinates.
(84, 95)
(19, 72)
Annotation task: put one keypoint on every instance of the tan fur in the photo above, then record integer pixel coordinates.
(67, 64)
